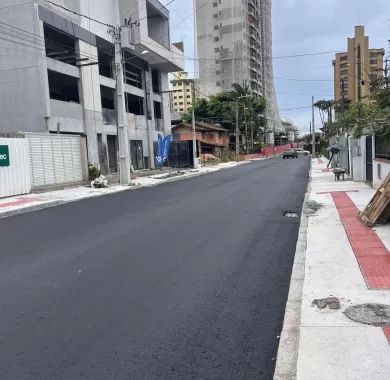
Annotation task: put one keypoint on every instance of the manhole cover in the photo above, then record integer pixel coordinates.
(370, 314)
(291, 214)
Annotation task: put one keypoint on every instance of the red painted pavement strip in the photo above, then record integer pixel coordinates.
(320, 161)
(19, 202)
(370, 252)
(386, 330)
(327, 170)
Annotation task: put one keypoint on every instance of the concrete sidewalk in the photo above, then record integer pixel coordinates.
(31, 202)
(342, 259)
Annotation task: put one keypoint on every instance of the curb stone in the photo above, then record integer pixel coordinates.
(287, 357)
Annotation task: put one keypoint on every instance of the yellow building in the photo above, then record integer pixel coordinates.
(182, 94)
(352, 69)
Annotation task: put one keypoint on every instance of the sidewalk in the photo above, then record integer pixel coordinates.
(342, 259)
(31, 202)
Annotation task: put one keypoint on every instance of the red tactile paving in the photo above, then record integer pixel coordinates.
(370, 252)
(320, 161)
(386, 330)
(327, 170)
(18, 202)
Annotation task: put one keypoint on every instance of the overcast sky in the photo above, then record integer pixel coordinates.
(301, 27)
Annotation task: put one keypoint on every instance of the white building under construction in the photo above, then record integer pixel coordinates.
(235, 46)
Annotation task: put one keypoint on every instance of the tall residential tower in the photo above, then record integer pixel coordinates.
(235, 46)
(353, 68)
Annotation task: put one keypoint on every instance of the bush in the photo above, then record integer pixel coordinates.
(227, 156)
(93, 172)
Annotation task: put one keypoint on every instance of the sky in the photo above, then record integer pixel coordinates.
(302, 27)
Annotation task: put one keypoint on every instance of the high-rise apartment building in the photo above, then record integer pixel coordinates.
(182, 94)
(353, 68)
(235, 46)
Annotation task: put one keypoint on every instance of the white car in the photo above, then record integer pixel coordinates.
(302, 152)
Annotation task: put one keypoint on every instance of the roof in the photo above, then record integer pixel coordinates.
(202, 127)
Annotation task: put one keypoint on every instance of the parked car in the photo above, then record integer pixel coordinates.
(290, 153)
(302, 152)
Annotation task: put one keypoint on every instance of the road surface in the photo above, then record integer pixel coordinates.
(187, 280)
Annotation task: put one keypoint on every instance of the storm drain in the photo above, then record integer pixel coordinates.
(370, 314)
(291, 214)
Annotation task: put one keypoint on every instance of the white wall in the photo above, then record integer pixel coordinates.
(358, 158)
(381, 168)
(15, 179)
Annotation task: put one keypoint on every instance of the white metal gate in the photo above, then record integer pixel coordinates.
(15, 175)
(54, 159)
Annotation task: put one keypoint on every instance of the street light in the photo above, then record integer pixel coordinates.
(144, 52)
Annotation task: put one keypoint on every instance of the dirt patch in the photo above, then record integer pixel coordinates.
(370, 314)
(330, 302)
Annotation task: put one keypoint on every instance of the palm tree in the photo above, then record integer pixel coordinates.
(326, 107)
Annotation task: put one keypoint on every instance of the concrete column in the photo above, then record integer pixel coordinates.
(150, 115)
(90, 98)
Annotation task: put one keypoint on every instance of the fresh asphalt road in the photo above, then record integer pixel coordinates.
(187, 280)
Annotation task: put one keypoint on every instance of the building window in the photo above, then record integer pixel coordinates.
(181, 97)
(107, 98)
(373, 62)
(216, 27)
(188, 90)
(157, 110)
(215, 15)
(181, 109)
(188, 96)
(216, 39)
(344, 58)
(63, 87)
(156, 81)
(216, 50)
(59, 45)
(181, 103)
(218, 84)
(134, 104)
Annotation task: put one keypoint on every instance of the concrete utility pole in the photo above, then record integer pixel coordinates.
(123, 138)
(274, 132)
(237, 133)
(194, 144)
(313, 138)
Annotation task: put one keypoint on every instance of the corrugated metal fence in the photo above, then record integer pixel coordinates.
(15, 176)
(55, 159)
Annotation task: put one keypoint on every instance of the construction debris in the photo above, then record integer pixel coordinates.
(378, 209)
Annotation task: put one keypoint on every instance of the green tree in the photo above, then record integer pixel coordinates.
(221, 109)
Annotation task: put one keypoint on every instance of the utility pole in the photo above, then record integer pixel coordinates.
(194, 144)
(123, 138)
(274, 132)
(237, 133)
(313, 138)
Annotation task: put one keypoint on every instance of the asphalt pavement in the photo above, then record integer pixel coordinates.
(187, 280)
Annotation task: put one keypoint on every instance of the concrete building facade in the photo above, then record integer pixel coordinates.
(353, 68)
(235, 46)
(58, 75)
(183, 93)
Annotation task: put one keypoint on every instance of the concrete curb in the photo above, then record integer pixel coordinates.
(54, 203)
(287, 358)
